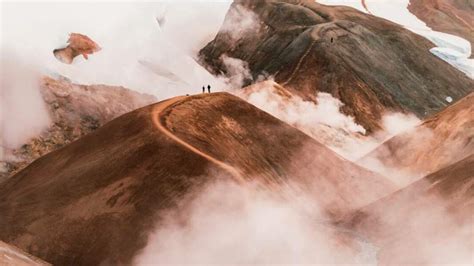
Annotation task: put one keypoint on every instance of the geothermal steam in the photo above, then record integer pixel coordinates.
(323, 120)
(23, 113)
(229, 224)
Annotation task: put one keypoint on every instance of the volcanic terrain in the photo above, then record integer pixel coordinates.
(372, 65)
(95, 200)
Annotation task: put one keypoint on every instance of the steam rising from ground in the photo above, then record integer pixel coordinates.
(237, 72)
(23, 113)
(240, 21)
(323, 120)
(396, 123)
(415, 227)
(225, 223)
(230, 224)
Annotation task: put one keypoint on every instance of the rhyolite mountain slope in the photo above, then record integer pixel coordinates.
(372, 65)
(441, 140)
(75, 110)
(95, 200)
(450, 16)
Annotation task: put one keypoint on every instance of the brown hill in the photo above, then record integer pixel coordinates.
(450, 16)
(429, 222)
(75, 110)
(372, 65)
(439, 141)
(95, 200)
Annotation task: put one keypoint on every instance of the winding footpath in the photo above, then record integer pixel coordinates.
(157, 114)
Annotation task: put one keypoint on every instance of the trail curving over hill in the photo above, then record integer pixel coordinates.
(157, 116)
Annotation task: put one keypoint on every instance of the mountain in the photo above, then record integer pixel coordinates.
(450, 16)
(372, 65)
(75, 110)
(439, 141)
(95, 200)
(434, 212)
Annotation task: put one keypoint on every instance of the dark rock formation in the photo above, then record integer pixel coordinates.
(78, 44)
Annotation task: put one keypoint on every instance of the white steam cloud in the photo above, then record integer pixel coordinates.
(323, 120)
(22, 111)
(237, 72)
(229, 224)
(417, 227)
(396, 123)
(239, 22)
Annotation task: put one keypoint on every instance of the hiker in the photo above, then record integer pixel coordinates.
(209, 88)
(203, 89)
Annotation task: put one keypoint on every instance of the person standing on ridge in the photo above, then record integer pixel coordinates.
(203, 89)
(209, 88)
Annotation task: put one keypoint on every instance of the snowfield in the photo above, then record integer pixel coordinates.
(452, 49)
(137, 52)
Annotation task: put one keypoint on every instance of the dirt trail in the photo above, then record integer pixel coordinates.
(298, 65)
(156, 117)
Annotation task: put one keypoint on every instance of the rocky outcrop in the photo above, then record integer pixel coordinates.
(370, 64)
(75, 111)
(78, 44)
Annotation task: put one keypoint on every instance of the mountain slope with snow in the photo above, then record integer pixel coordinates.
(371, 65)
(450, 16)
(452, 49)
